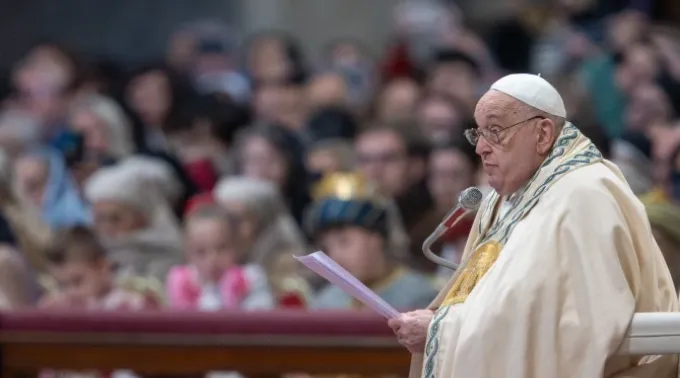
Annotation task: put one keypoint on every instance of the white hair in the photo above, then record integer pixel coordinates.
(18, 128)
(119, 126)
(277, 230)
(529, 110)
(151, 250)
(260, 197)
(157, 173)
(120, 186)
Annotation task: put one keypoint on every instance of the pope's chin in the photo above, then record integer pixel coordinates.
(493, 179)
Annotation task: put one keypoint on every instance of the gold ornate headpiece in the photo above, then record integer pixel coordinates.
(346, 186)
(346, 199)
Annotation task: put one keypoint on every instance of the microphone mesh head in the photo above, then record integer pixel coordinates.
(470, 198)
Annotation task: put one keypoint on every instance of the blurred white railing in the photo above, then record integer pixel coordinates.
(653, 333)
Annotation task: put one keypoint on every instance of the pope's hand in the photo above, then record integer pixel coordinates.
(411, 329)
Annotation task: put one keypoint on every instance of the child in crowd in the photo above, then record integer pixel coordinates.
(84, 278)
(361, 230)
(214, 279)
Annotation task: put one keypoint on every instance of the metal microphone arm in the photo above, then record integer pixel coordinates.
(439, 232)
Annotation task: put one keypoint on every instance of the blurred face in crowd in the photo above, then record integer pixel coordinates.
(455, 79)
(196, 142)
(625, 28)
(42, 79)
(246, 225)
(32, 174)
(280, 103)
(324, 161)
(93, 129)
(211, 247)
(356, 68)
(262, 160)
(511, 159)
(211, 62)
(640, 66)
(439, 119)
(18, 131)
(44, 68)
(149, 96)
(450, 173)
(383, 158)
(327, 90)
(346, 54)
(357, 250)
(181, 49)
(398, 100)
(82, 282)
(648, 106)
(113, 219)
(267, 59)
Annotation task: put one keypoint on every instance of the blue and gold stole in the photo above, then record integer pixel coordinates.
(572, 150)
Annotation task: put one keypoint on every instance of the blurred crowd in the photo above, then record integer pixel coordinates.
(192, 182)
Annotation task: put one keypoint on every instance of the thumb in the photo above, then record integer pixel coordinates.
(395, 322)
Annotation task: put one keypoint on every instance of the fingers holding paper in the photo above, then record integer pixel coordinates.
(411, 329)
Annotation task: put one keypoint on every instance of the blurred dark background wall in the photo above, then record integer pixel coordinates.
(119, 29)
(115, 28)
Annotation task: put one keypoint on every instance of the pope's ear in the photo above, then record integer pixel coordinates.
(546, 136)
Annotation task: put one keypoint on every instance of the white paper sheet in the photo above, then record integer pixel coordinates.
(324, 266)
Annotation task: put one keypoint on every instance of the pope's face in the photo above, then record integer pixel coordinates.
(512, 156)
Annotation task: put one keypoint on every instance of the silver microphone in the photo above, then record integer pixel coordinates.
(468, 201)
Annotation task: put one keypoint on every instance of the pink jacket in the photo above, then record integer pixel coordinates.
(240, 287)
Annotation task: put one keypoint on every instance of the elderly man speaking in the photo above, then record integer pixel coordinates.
(560, 257)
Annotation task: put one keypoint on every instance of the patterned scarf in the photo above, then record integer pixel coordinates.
(572, 150)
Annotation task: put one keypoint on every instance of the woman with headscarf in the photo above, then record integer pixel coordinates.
(43, 176)
(135, 222)
(268, 233)
(275, 154)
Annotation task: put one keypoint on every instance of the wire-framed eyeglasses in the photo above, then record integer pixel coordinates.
(492, 135)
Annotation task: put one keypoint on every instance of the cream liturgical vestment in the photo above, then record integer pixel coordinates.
(548, 290)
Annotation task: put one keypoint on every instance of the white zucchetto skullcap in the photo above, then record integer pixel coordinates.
(534, 91)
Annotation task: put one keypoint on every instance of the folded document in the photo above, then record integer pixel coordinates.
(324, 266)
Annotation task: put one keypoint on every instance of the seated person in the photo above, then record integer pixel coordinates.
(214, 279)
(359, 229)
(84, 279)
(134, 220)
(269, 236)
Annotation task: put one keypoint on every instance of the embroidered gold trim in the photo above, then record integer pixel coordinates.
(480, 263)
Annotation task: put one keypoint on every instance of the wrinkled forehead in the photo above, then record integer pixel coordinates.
(495, 106)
